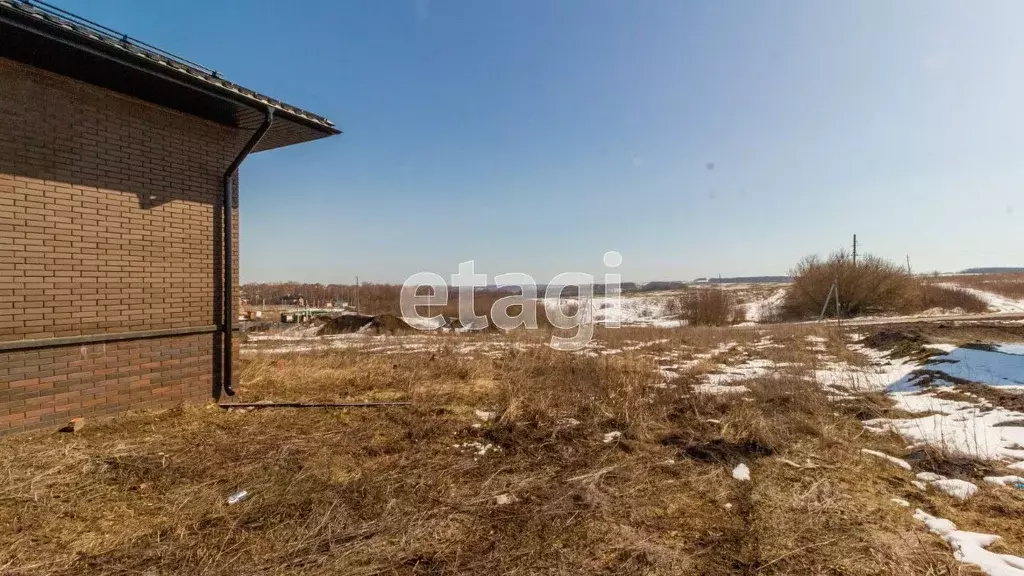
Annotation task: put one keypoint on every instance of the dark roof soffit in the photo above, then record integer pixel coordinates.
(77, 48)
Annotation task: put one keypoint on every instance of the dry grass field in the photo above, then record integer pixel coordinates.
(1009, 285)
(512, 458)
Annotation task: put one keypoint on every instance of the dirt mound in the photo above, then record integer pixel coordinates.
(345, 324)
(349, 323)
(389, 323)
(889, 338)
(901, 343)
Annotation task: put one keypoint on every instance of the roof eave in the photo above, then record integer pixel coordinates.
(47, 41)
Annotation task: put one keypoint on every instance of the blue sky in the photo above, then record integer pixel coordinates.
(696, 138)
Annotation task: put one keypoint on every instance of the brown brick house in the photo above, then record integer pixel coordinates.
(118, 164)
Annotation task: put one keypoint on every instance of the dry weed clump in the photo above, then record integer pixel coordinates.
(710, 307)
(545, 389)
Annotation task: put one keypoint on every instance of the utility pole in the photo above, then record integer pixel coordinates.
(357, 294)
(854, 250)
(908, 265)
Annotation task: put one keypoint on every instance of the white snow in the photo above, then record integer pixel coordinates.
(900, 502)
(817, 343)
(892, 459)
(611, 437)
(1000, 368)
(479, 448)
(929, 476)
(741, 473)
(969, 547)
(965, 428)
(720, 389)
(880, 374)
(1005, 480)
(995, 302)
(960, 427)
(750, 369)
(959, 489)
(766, 308)
(648, 309)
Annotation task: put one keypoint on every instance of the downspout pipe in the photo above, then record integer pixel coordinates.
(229, 279)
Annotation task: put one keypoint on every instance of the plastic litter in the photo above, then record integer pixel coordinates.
(238, 497)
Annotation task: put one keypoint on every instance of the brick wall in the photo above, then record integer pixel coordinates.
(47, 387)
(108, 223)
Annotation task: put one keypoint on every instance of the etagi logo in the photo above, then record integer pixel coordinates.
(467, 280)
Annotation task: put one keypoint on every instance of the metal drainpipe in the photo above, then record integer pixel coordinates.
(229, 289)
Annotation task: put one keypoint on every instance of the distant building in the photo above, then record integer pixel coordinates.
(291, 300)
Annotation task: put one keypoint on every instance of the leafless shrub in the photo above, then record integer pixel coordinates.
(710, 307)
(874, 285)
(739, 314)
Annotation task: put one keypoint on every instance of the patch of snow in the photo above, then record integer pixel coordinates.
(766, 342)
(479, 448)
(720, 389)
(990, 368)
(741, 473)
(900, 502)
(959, 489)
(766, 308)
(818, 344)
(969, 547)
(646, 309)
(892, 459)
(611, 437)
(959, 427)
(919, 485)
(748, 370)
(1005, 480)
(879, 375)
(995, 302)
